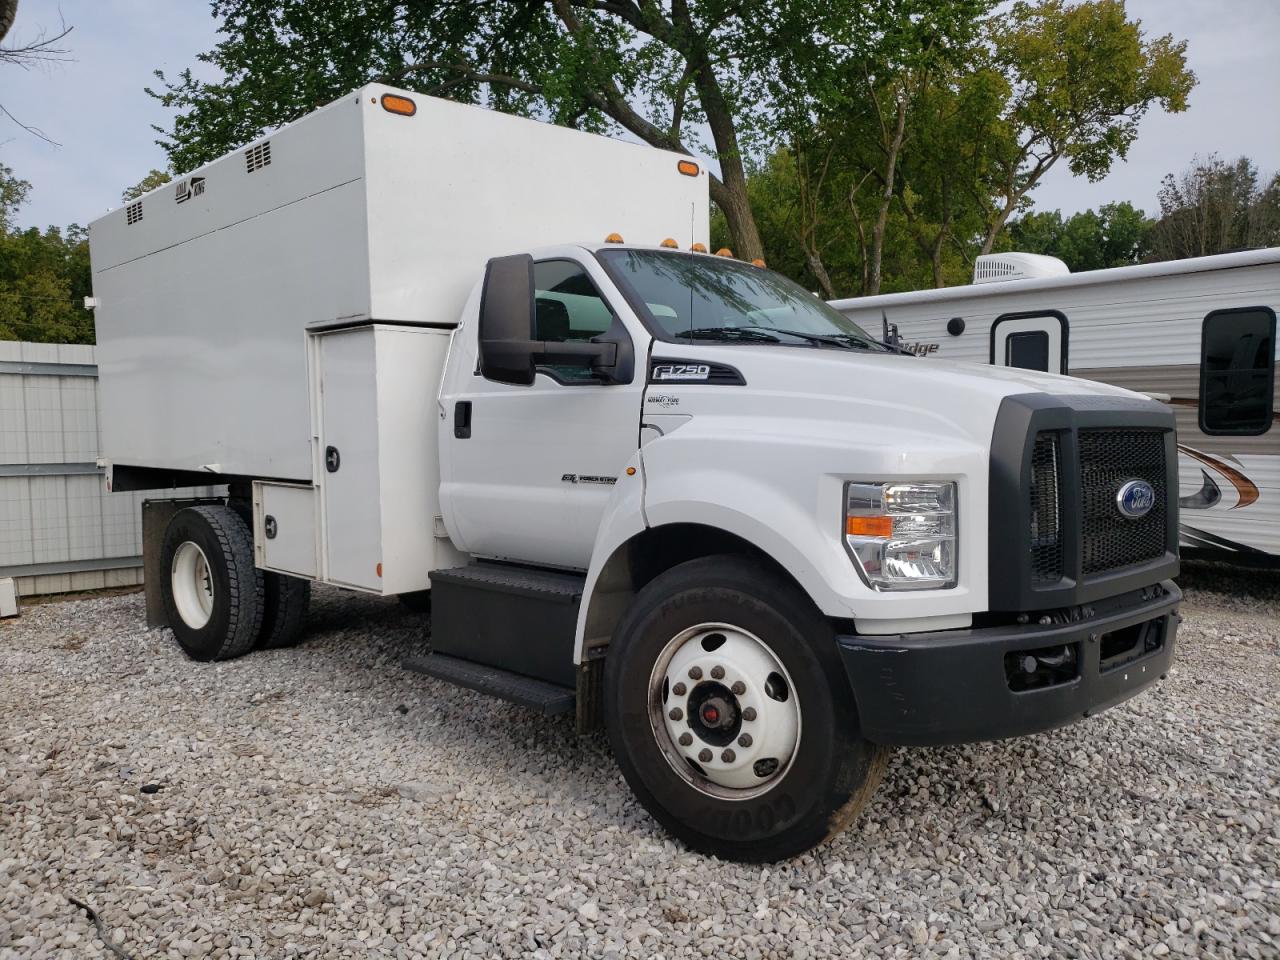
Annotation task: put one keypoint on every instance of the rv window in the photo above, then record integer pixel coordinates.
(567, 307)
(1237, 371)
(1028, 350)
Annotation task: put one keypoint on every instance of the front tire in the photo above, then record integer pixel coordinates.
(211, 589)
(730, 714)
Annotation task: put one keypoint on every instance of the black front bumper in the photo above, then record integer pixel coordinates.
(959, 686)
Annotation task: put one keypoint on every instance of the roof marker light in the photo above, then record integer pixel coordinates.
(392, 103)
(757, 262)
(670, 244)
(688, 168)
(724, 252)
(613, 238)
(698, 248)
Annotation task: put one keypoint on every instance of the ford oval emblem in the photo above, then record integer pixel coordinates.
(1135, 499)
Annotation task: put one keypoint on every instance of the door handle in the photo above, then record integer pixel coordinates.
(462, 419)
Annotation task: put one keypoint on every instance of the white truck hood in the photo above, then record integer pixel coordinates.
(820, 389)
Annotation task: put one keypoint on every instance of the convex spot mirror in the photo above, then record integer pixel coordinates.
(508, 351)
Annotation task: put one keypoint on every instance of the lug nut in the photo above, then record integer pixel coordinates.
(676, 713)
(686, 739)
(738, 688)
(749, 713)
(704, 755)
(744, 740)
(728, 756)
(717, 673)
(679, 689)
(695, 673)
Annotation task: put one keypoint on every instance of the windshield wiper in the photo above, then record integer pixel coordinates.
(822, 338)
(729, 334)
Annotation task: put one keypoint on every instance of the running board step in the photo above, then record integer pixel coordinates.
(515, 619)
(548, 699)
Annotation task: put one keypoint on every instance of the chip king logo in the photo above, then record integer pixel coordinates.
(587, 478)
(662, 400)
(186, 189)
(681, 371)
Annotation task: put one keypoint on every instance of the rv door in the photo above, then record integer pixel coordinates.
(1031, 341)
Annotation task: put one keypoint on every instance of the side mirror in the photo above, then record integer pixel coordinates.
(506, 320)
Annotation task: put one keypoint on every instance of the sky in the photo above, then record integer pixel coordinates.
(94, 106)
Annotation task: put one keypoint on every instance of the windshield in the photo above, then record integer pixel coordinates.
(716, 298)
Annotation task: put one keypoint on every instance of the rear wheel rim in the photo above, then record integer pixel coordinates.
(192, 582)
(724, 711)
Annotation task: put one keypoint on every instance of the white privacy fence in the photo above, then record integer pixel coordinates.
(59, 528)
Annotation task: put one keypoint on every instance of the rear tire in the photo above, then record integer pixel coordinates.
(803, 771)
(211, 589)
(284, 613)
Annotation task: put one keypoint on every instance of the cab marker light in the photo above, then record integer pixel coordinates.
(613, 238)
(670, 244)
(392, 103)
(631, 471)
(698, 248)
(724, 252)
(757, 262)
(688, 168)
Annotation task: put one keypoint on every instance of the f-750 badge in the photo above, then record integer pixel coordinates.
(681, 371)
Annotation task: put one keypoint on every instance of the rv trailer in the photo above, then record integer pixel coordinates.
(1196, 334)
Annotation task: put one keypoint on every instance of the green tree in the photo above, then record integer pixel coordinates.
(682, 76)
(1117, 235)
(156, 178)
(1213, 206)
(13, 194)
(44, 276)
(1082, 77)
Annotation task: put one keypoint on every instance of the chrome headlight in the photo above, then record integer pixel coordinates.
(902, 536)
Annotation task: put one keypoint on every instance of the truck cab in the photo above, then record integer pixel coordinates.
(664, 490)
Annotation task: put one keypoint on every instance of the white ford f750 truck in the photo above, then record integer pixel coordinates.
(666, 489)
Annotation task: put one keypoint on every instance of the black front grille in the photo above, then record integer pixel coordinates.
(1046, 511)
(1109, 458)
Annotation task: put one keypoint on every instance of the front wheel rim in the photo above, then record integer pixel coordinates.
(192, 582)
(724, 711)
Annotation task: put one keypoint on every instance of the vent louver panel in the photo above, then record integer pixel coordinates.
(257, 157)
(133, 213)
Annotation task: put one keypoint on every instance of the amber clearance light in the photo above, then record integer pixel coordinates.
(392, 103)
(869, 526)
(688, 168)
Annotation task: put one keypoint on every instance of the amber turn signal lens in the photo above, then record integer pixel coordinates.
(688, 168)
(698, 248)
(401, 105)
(869, 526)
(724, 252)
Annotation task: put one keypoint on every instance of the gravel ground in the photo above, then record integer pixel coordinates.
(320, 802)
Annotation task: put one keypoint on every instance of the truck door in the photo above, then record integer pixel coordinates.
(1030, 341)
(528, 470)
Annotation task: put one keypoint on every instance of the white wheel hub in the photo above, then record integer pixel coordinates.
(724, 711)
(192, 584)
